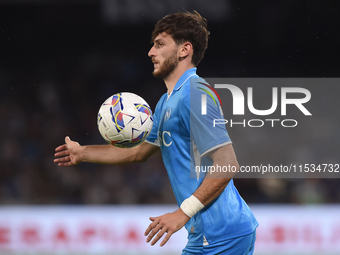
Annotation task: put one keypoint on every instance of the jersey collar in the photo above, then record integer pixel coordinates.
(187, 74)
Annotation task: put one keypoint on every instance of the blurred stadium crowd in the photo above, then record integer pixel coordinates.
(60, 62)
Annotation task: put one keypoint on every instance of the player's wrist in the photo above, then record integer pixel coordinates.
(191, 206)
(83, 154)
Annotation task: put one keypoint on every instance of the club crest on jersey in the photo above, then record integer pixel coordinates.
(167, 115)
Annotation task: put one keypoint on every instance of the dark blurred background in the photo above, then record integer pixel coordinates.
(61, 59)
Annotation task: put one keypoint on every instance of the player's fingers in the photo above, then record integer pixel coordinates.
(59, 160)
(67, 139)
(62, 160)
(150, 227)
(61, 147)
(158, 236)
(166, 238)
(62, 153)
(66, 161)
(153, 232)
(65, 164)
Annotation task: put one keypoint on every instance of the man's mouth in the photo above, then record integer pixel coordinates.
(154, 61)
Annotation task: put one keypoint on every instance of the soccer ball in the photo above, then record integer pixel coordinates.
(125, 120)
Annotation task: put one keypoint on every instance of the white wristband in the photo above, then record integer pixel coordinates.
(191, 206)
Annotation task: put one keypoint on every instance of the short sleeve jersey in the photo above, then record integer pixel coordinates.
(186, 137)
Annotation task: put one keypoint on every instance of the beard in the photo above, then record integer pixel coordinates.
(167, 67)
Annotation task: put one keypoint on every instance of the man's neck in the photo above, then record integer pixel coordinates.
(172, 79)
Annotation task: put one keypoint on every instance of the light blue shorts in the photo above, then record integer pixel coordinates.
(243, 245)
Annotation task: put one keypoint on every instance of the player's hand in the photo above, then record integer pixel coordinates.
(68, 154)
(168, 223)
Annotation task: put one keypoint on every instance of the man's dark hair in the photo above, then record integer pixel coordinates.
(185, 27)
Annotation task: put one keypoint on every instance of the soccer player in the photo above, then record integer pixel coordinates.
(217, 219)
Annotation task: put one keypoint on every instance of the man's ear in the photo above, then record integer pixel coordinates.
(185, 50)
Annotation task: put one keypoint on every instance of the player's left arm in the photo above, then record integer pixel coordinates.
(211, 187)
(215, 182)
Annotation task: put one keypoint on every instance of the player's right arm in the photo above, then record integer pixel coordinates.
(72, 153)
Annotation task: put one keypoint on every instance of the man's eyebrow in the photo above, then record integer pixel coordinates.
(157, 40)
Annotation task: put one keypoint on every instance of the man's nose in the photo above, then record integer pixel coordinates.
(151, 52)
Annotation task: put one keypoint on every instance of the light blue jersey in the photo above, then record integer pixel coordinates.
(185, 137)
